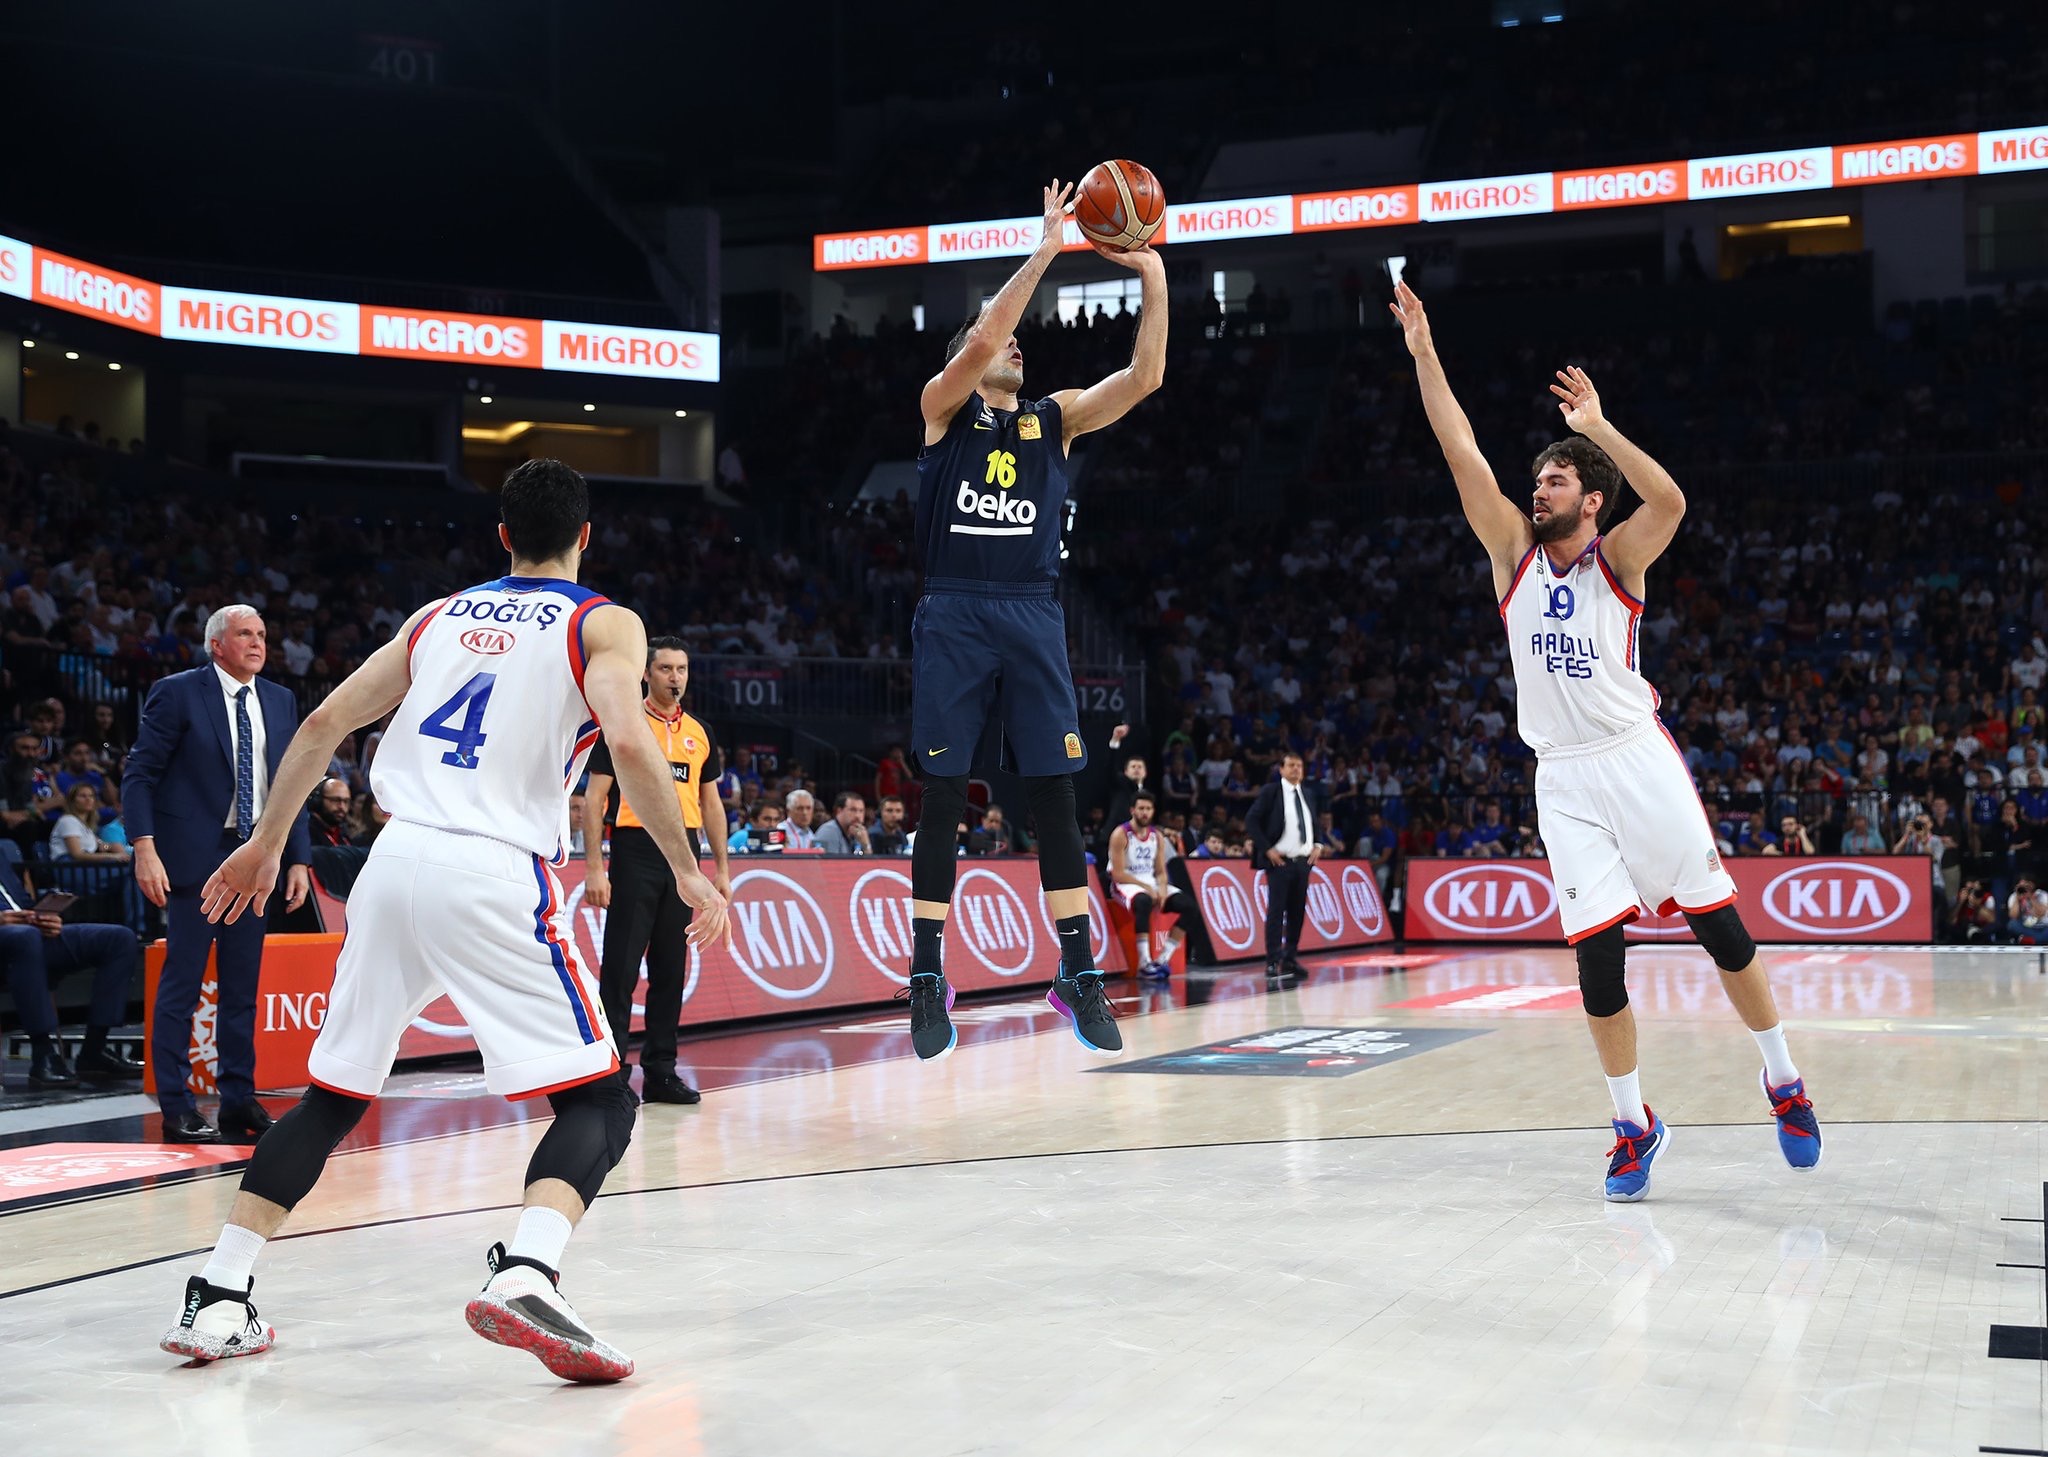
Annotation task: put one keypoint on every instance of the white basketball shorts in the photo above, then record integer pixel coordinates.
(1626, 832)
(483, 921)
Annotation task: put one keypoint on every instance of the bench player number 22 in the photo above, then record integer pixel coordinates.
(470, 700)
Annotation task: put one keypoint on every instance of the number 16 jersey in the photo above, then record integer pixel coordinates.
(494, 730)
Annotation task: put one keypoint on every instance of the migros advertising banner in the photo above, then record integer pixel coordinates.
(1782, 898)
(326, 326)
(1798, 169)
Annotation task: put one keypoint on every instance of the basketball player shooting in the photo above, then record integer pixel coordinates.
(989, 638)
(1620, 817)
(499, 693)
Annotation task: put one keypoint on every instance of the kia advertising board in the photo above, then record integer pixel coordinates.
(812, 933)
(1805, 898)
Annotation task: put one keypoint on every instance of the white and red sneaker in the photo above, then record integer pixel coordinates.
(218, 1323)
(520, 1307)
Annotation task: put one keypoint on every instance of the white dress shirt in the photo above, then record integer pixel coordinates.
(1293, 803)
(229, 688)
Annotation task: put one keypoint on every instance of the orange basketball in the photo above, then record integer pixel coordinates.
(1119, 205)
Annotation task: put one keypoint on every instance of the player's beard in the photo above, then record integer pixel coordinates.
(1005, 378)
(1557, 526)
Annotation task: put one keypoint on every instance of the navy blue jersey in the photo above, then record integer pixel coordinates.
(991, 493)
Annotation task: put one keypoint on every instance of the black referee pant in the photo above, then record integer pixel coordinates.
(647, 918)
(1286, 905)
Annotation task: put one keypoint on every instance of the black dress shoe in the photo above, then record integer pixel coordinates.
(189, 1128)
(106, 1065)
(663, 1086)
(244, 1122)
(50, 1070)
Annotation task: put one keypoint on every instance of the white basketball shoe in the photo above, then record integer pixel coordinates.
(520, 1307)
(217, 1324)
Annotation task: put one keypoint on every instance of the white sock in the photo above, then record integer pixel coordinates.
(1627, 1092)
(233, 1259)
(1144, 946)
(1777, 1057)
(542, 1235)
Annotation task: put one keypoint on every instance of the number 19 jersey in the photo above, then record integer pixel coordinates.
(494, 730)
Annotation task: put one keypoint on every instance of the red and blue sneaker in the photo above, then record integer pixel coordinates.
(1628, 1162)
(1798, 1129)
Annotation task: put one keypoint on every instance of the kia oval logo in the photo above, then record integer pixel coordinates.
(993, 922)
(1836, 898)
(1226, 909)
(1361, 895)
(879, 907)
(490, 641)
(1325, 916)
(1491, 900)
(780, 937)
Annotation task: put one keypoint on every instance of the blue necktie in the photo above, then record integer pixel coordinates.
(245, 767)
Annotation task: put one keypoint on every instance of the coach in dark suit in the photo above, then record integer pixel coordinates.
(209, 742)
(1282, 829)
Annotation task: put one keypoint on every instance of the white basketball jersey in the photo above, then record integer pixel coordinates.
(494, 730)
(1572, 637)
(1141, 852)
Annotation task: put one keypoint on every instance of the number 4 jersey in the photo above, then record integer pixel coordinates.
(1572, 636)
(494, 730)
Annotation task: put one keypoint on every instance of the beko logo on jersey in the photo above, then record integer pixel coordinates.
(1020, 511)
(484, 609)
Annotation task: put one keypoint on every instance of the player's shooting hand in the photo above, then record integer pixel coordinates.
(1407, 308)
(1141, 258)
(1059, 201)
(1578, 401)
(244, 880)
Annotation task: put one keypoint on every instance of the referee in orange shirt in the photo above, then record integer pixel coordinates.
(645, 916)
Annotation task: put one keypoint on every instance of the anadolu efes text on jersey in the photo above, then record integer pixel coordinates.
(990, 494)
(1572, 636)
(494, 729)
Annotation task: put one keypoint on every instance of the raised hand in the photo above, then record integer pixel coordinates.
(1414, 322)
(1141, 257)
(1059, 201)
(1578, 401)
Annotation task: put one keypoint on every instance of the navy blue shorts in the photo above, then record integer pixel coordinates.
(992, 649)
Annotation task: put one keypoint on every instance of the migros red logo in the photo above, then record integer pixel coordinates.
(781, 941)
(1375, 207)
(1891, 161)
(1621, 186)
(489, 641)
(991, 920)
(1226, 909)
(868, 250)
(258, 321)
(1836, 898)
(1491, 900)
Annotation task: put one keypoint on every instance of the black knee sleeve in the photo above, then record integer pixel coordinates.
(1141, 912)
(1062, 862)
(1725, 938)
(593, 1125)
(1181, 904)
(938, 844)
(1603, 972)
(289, 1158)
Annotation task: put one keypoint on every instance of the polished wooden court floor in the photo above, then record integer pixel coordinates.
(1381, 1233)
